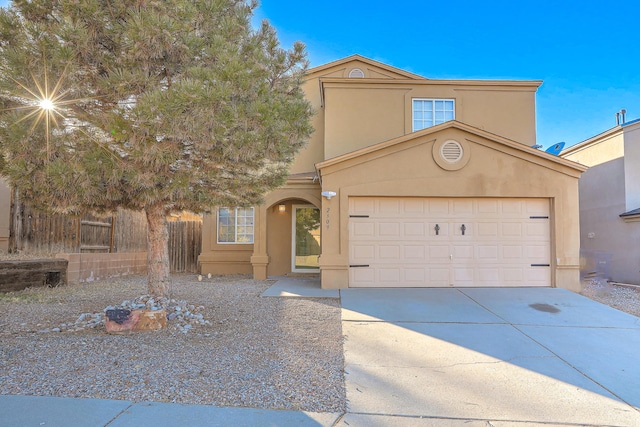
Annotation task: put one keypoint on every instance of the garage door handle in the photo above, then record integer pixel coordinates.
(540, 265)
(437, 228)
(359, 265)
(463, 228)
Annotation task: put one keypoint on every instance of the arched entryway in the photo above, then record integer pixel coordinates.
(293, 237)
(288, 226)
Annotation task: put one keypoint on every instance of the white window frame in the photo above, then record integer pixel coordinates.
(293, 241)
(236, 225)
(425, 123)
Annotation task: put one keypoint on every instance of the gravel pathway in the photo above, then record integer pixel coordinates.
(271, 353)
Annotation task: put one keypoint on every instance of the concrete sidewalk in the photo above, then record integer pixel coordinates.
(19, 411)
(431, 357)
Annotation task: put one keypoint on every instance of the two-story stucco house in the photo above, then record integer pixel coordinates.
(411, 182)
(610, 202)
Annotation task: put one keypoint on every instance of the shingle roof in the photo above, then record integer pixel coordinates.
(631, 213)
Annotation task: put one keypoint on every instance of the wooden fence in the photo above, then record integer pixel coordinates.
(185, 244)
(126, 231)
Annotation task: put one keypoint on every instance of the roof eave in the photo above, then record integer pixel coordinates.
(451, 124)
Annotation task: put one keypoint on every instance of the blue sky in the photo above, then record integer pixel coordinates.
(584, 51)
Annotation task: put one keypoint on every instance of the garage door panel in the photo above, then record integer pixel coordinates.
(439, 252)
(414, 206)
(539, 230)
(463, 275)
(487, 208)
(537, 253)
(361, 205)
(487, 229)
(439, 277)
(488, 275)
(513, 276)
(398, 241)
(437, 207)
(511, 207)
(487, 253)
(362, 253)
(388, 229)
(362, 276)
(390, 276)
(537, 276)
(389, 252)
(512, 252)
(389, 206)
(511, 229)
(414, 230)
(462, 207)
(463, 252)
(362, 230)
(415, 276)
(537, 207)
(414, 252)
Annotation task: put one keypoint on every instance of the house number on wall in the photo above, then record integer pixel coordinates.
(326, 220)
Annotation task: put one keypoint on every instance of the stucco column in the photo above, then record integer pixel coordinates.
(334, 261)
(260, 257)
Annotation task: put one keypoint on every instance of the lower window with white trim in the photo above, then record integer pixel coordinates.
(235, 225)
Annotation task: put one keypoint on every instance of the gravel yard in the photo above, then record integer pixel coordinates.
(271, 353)
(623, 298)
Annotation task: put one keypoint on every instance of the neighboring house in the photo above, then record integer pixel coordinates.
(411, 182)
(610, 202)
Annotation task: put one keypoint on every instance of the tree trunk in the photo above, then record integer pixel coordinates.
(159, 280)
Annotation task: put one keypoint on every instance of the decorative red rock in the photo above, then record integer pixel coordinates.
(122, 321)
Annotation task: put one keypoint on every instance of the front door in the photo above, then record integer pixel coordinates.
(306, 239)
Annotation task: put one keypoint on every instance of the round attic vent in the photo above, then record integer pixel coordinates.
(451, 151)
(356, 73)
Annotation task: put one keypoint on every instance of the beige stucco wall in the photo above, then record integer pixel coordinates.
(609, 188)
(632, 166)
(223, 258)
(270, 255)
(493, 170)
(352, 113)
(608, 242)
(279, 239)
(609, 147)
(313, 152)
(360, 114)
(5, 216)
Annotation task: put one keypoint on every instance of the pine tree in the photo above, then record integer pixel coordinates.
(155, 105)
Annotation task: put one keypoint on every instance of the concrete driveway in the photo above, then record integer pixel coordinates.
(488, 357)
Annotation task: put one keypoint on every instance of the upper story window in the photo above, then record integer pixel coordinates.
(431, 112)
(235, 225)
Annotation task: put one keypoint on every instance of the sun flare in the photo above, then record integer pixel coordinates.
(41, 103)
(47, 104)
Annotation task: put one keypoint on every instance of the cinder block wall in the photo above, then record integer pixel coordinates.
(89, 267)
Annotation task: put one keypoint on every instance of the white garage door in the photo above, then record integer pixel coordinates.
(437, 242)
